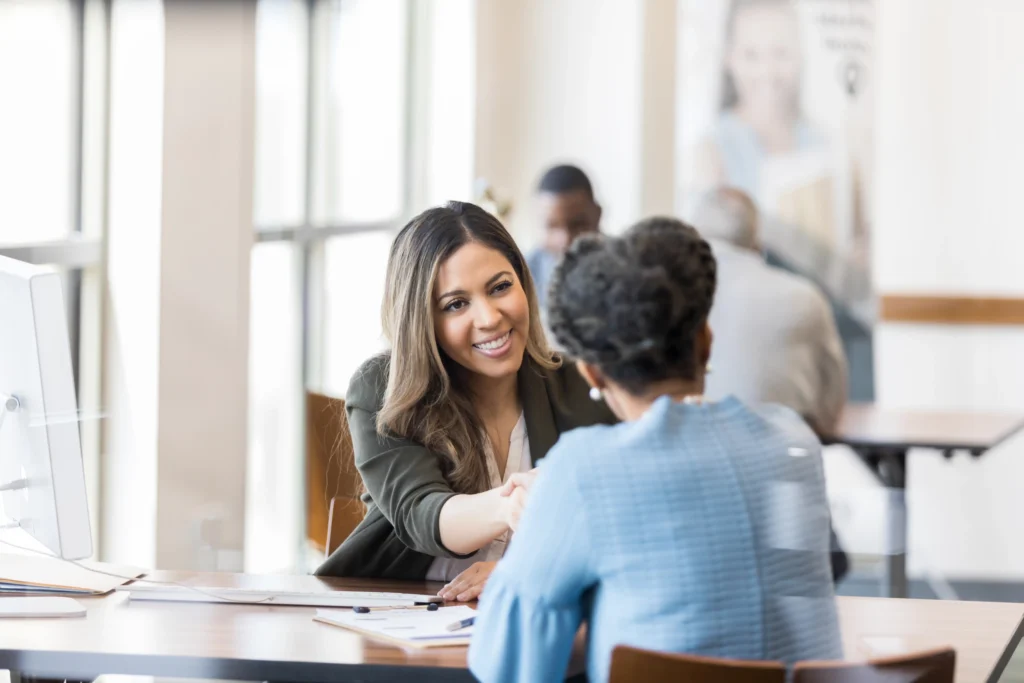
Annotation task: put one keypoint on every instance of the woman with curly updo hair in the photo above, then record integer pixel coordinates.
(691, 526)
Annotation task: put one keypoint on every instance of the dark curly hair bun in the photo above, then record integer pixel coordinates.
(633, 305)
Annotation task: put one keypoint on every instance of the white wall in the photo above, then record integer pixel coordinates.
(948, 220)
(206, 242)
(571, 81)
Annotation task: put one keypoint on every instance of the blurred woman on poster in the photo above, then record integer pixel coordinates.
(761, 141)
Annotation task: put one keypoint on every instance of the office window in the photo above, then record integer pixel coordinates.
(282, 27)
(354, 287)
(41, 86)
(331, 164)
(38, 120)
(363, 131)
(275, 465)
(52, 185)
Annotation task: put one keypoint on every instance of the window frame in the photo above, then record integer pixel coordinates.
(310, 236)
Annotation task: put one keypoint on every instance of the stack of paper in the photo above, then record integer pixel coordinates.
(53, 576)
(410, 627)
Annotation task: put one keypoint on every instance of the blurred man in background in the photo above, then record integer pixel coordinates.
(568, 210)
(775, 336)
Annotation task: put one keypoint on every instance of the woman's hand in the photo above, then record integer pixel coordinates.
(469, 584)
(515, 492)
(521, 480)
(514, 505)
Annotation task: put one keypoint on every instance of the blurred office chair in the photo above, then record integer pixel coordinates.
(633, 664)
(933, 666)
(333, 485)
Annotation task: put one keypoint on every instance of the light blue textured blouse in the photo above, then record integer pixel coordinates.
(697, 528)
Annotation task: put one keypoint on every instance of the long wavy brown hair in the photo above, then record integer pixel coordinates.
(424, 400)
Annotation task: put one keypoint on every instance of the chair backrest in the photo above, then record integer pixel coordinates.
(346, 512)
(330, 473)
(932, 666)
(634, 664)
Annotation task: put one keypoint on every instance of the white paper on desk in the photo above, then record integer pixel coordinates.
(52, 574)
(884, 646)
(399, 624)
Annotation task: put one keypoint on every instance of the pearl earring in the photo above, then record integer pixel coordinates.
(708, 369)
(595, 394)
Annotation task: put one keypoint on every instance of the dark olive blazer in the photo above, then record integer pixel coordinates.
(405, 490)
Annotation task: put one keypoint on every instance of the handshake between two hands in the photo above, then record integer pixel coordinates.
(470, 584)
(516, 490)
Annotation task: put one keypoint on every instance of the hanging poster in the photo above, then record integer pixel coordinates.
(776, 99)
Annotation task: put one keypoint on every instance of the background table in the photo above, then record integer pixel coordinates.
(882, 437)
(250, 642)
(984, 634)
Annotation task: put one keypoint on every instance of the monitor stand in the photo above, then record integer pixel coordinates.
(43, 606)
(21, 607)
(8, 404)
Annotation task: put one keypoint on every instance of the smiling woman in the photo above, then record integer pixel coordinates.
(469, 395)
(482, 325)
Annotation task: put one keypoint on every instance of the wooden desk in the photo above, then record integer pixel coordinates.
(248, 642)
(882, 437)
(984, 634)
(219, 641)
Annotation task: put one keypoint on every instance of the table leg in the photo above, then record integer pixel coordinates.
(890, 466)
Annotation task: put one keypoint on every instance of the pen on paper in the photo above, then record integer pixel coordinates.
(465, 623)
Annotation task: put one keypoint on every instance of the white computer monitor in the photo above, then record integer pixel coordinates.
(42, 477)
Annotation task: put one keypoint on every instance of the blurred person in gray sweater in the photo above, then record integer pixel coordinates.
(775, 336)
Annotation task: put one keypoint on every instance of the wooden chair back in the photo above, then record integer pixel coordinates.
(346, 512)
(932, 666)
(633, 664)
(333, 484)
